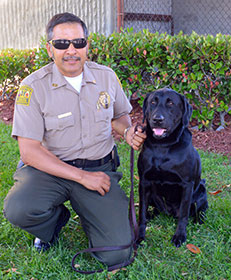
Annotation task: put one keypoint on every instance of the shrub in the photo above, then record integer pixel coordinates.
(196, 66)
(15, 65)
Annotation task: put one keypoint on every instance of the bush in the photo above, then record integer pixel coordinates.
(15, 65)
(196, 66)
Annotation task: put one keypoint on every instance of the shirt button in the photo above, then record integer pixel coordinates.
(83, 117)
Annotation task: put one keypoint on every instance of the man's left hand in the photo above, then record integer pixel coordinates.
(135, 137)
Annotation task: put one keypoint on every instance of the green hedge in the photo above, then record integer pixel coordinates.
(197, 66)
(15, 65)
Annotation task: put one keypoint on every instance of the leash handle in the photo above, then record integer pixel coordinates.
(104, 249)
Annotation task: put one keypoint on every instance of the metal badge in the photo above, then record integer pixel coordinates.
(104, 100)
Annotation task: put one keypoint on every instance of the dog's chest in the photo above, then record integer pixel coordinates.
(162, 169)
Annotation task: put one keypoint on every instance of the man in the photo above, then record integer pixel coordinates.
(62, 122)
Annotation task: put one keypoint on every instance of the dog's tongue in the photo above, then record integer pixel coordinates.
(159, 131)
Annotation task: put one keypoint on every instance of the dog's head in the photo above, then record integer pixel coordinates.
(165, 110)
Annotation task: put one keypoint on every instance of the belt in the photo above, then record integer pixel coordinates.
(84, 163)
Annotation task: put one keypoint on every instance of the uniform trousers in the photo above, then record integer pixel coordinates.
(36, 200)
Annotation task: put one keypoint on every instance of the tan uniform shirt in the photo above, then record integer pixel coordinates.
(70, 124)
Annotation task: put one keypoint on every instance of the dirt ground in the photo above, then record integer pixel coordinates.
(212, 141)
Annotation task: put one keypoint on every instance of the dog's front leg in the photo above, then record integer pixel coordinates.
(180, 234)
(144, 193)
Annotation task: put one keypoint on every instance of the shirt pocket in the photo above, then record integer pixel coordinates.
(55, 123)
(59, 131)
(103, 119)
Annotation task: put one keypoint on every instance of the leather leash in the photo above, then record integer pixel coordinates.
(134, 229)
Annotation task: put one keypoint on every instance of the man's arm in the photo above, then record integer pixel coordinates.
(134, 138)
(34, 154)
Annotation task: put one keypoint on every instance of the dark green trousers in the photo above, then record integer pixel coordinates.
(33, 204)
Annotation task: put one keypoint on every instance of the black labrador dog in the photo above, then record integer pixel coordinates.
(169, 166)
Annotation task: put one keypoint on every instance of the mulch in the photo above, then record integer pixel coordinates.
(210, 140)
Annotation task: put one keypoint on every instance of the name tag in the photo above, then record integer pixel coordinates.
(64, 115)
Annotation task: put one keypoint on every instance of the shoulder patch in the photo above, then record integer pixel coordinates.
(24, 95)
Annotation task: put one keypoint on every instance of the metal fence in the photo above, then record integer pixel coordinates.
(173, 16)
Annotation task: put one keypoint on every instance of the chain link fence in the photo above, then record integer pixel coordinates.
(172, 16)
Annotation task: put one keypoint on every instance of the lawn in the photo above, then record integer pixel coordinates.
(157, 258)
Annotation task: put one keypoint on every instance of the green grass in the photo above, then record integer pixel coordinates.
(157, 259)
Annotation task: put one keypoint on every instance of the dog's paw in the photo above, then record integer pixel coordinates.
(179, 239)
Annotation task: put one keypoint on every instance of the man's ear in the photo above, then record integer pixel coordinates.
(49, 50)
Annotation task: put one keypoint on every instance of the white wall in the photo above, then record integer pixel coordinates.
(22, 22)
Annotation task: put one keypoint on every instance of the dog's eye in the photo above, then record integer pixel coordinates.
(154, 101)
(169, 102)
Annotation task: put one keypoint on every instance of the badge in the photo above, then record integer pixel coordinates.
(24, 95)
(104, 100)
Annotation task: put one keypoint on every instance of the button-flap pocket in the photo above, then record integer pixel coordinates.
(104, 115)
(55, 123)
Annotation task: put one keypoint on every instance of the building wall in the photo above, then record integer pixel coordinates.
(22, 22)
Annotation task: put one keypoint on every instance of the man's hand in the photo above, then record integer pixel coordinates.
(135, 138)
(96, 181)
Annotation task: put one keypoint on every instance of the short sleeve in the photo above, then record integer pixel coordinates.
(28, 121)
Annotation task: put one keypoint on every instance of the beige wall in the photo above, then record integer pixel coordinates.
(22, 22)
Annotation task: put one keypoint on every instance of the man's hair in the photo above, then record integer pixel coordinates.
(64, 18)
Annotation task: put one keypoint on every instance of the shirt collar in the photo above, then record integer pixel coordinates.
(88, 76)
(58, 79)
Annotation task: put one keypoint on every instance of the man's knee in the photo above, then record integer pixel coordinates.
(16, 209)
(13, 212)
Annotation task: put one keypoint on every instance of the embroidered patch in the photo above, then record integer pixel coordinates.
(104, 100)
(24, 95)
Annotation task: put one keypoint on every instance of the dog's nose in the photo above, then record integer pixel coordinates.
(158, 119)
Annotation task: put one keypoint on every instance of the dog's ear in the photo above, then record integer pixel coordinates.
(187, 111)
(145, 106)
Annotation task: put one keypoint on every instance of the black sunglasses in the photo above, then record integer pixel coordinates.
(63, 44)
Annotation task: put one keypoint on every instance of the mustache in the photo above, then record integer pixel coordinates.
(72, 57)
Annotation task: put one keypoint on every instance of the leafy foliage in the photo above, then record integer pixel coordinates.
(195, 65)
(15, 65)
